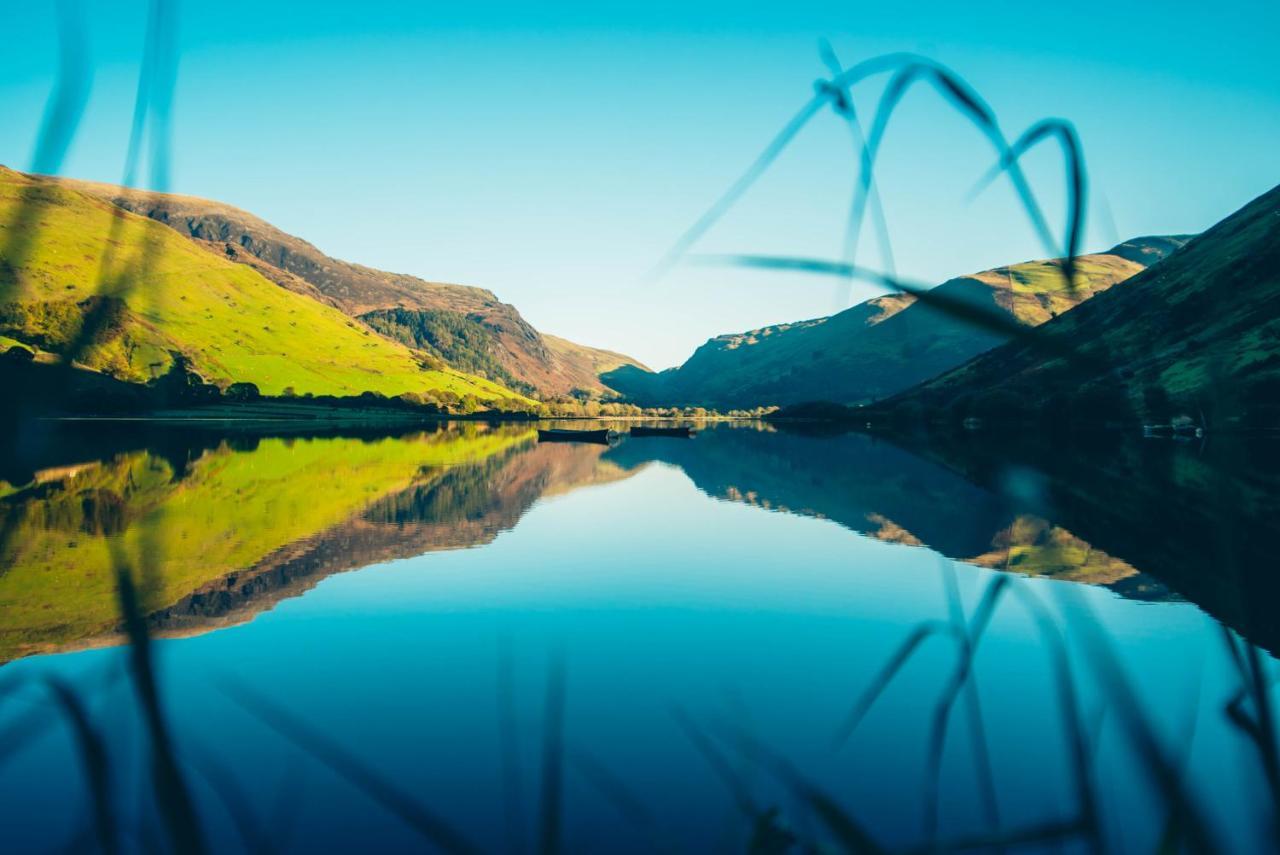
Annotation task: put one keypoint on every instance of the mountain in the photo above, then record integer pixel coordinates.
(157, 299)
(1196, 336)
(480, 332)
(884, 345)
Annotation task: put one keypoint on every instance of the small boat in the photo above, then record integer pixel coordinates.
(603, 437)
(681, 432)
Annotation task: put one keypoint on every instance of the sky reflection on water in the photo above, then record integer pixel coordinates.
(656, 597)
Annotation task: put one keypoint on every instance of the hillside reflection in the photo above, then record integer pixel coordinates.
(233, 525)
(244, 523)
(1151, 520)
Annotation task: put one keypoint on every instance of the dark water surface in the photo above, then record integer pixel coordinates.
(360, 640)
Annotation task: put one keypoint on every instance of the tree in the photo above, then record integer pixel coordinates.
(242, 392)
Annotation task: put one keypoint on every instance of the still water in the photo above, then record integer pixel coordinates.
(464, 637)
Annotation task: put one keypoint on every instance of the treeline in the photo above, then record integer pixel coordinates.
(1106, 404)
(462, 341)
(582, 407)
(32, 386)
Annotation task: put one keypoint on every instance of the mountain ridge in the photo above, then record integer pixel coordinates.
(883, 345)
(1197, 337)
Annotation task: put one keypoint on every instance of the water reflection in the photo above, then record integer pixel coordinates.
(745, 604)
(878, 489)
(249, 521)
(465, 504)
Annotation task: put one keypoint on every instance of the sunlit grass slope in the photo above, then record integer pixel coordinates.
(231, 324)
(514, 352)
(230, 510)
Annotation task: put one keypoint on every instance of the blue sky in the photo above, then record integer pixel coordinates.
(553, 152)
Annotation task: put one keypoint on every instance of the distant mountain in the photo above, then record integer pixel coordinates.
(495, 338)
(1196, 336)
(157, 299)
(883, 345)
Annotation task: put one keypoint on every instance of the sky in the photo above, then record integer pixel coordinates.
(554, 152)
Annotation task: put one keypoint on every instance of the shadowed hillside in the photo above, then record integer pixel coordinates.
(1196, 336)
(515, 352)
(883, 345)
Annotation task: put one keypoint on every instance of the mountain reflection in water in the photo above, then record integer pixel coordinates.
(759, 582)
(248, 522)
(875, 488)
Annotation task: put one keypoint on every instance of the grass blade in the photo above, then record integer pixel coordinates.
(349, 767)
(892, 666)
(94, 760)
(552, 760)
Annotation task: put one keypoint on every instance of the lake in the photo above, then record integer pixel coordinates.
(461, 638)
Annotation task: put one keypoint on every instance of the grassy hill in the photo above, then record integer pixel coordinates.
(1197, 335)
(512, 350)
(581, 361)
(167, 295)
(884, 345)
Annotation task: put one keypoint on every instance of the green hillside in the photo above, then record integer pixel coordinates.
(1196, 336)
(499, 342)
(884, 345)
(168, 295)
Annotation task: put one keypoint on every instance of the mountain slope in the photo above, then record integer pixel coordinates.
(527, 358)
(1197, 335)
(883, 345)
(166, 297)
(585, 365)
